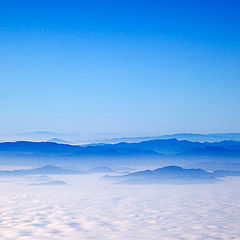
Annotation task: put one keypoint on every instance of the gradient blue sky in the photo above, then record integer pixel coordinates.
(131, 68)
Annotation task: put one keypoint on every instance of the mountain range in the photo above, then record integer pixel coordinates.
(172, 175)
(152, 149)
(211, 137)
(46, 170)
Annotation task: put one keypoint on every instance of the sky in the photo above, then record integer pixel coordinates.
(122, 68)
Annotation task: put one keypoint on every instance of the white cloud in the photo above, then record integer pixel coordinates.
(91, 209)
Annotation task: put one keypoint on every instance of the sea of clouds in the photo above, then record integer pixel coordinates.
(90, 208)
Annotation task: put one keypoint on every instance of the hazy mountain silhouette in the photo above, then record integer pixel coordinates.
(151, 149)
(211, 137)
(58, 140)
(52, 183)
(166, 146)
(47, 170)
(51, 149)
(170, 174)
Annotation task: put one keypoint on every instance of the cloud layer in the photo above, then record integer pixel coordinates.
(92, 209)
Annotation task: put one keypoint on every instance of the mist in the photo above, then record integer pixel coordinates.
(88, 207)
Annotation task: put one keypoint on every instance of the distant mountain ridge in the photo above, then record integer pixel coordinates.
(52, 183)
(51, 149)
(153, 148)
(173, 175)
(59, 140)
(46, 170)
(211, 137)
(170, 174)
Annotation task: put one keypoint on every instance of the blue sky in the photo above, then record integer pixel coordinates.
(131, 68)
